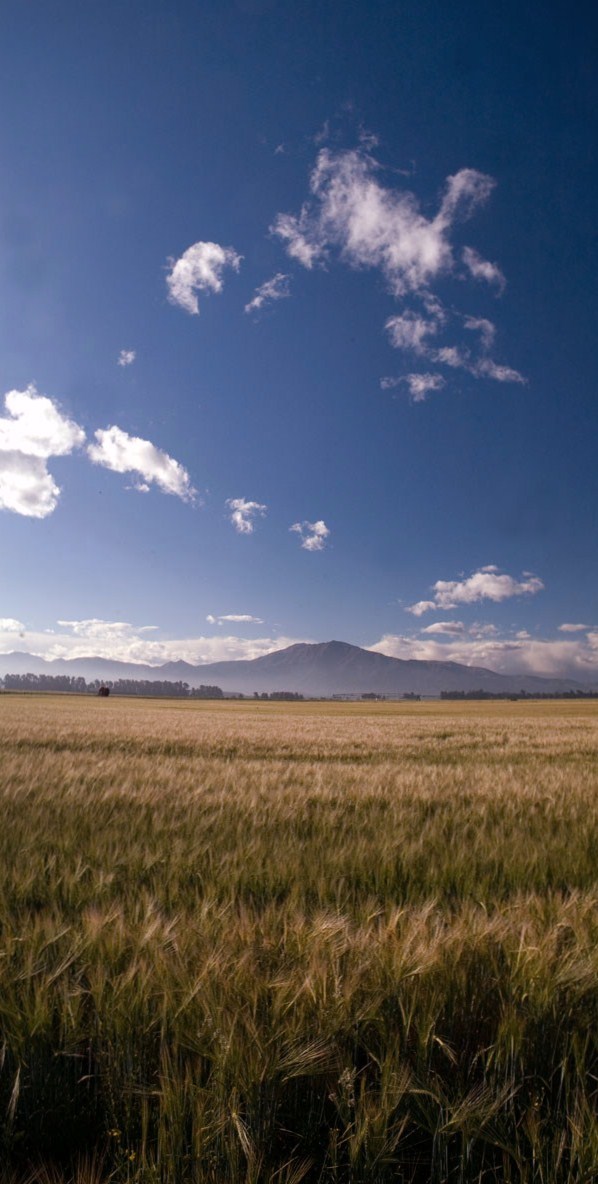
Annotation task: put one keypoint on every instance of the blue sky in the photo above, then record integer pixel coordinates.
(297, 334)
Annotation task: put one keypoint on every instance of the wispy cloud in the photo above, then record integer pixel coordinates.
(126, 357)
(199, 269)
(33, 431)
(277, 288)
(485, 328)
(244, 512)
(486, 584)
(408, 331)
(567, 628)
(313, 535)
(371, 225)
(419, 385)
(233, 619)
(116, 450)
(481, 269)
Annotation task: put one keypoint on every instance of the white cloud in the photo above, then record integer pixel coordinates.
(354, 216)
(372, 225)
(485, 584)
(419, 385)
(448, 628)
(278, 288)
(481, 269)
(244, 513)
(26, 486)
(422, 606)
(126, 357)
(97, 629)
(460, 359)
(566, 628)
(313, 535)
(121, 453)
(34, 430)
(485, 328)
(234, 619)
(36, 427)
(199, 269)
(10, 625)
(408, 331)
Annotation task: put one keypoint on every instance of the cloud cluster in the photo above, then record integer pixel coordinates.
(125, 642)
(199, 269)
(96, 629)
(126, 357)
(243, 514)
(278, 288)
(313, 535)
(486, 584)
(517, 654)
(370, 225)
(33, 431)
(353, 215)
(116, 450)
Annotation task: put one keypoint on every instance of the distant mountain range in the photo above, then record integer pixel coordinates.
(327, 668)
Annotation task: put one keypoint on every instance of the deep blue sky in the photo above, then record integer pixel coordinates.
(131, 132)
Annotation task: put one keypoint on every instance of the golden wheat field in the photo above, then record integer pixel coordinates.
(255, 943)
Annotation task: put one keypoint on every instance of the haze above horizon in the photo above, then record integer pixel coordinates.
(298, 333)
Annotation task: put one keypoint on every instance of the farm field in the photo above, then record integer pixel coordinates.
(257, 943)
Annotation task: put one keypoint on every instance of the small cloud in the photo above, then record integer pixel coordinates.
(481, 269)
(485, 328)
(477, 630)
(278, 288)
(419, 385)
(313, 535)
(116, 450)
(34, 430)
(279, 150)
(199, 269)
(10, 625)
(461, 359)
(448, 628)
(484, 584)
(126, 357)
(409, 331)
(567, 628)
(234, 619)
(421, 607)
(244, 513)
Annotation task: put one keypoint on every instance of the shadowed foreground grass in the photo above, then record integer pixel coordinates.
(264, 943)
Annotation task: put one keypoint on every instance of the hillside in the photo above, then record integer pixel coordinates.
(326, 668)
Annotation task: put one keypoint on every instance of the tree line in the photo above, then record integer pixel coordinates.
(75, 684)
(519, 695)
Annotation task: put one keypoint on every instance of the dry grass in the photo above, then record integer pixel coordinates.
(266, 943)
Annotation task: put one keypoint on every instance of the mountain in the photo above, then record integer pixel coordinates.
(327, 668)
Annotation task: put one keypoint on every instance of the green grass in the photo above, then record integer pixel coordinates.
(323, 942)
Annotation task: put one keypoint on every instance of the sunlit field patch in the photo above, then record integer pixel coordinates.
(254, 942)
